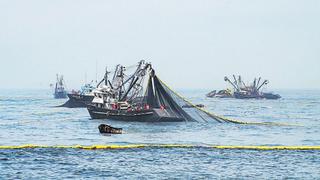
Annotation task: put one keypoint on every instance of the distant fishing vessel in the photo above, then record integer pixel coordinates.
(243, 91)
(59, 90)
(80, 99)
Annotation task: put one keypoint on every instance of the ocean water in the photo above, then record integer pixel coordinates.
(29, 117)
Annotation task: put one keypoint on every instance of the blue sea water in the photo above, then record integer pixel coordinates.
(29, 117)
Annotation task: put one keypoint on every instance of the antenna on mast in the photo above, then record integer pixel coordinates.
(85, 78)
(96, 71)
(106, 76)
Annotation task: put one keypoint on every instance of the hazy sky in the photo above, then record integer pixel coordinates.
(191, 44)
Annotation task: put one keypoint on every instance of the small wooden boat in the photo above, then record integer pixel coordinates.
(104, 128)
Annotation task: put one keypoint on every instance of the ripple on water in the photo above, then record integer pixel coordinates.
(27, 117)
(159, 163)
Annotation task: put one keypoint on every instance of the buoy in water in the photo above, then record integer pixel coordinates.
(104, 128)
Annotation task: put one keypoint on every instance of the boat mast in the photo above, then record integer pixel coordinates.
(55, 89)
(265, 82)
(135, 77)
(115, 73)
(121, 76)
(236, 82)
(106, 77)
(258, 84)
(228, 80)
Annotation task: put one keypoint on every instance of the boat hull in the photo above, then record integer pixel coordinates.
(152, 115)
(78, 101)
(246, 96)
(60, 95)
(258, 96)
(271, 96)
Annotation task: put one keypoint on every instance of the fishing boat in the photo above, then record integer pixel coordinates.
(78, 99)
(81, 99)
(253, 91)
(60, 91)
(243, 91)
(142, 96)
(104, 128)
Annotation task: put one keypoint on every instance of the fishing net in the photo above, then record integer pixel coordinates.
(159, 95)
(142, 89)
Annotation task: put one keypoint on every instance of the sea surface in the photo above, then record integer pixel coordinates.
(29, 117)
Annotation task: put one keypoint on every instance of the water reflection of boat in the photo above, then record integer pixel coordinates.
(59, 90)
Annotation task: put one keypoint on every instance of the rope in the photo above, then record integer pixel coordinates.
(143, 146)
(223, 118)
